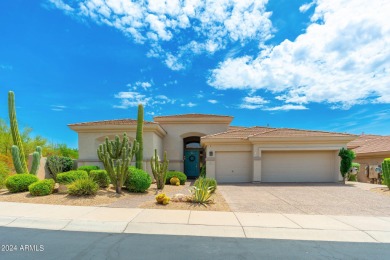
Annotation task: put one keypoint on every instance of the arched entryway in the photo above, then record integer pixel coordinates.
(193, 156)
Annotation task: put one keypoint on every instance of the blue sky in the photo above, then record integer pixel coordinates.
(321, 65)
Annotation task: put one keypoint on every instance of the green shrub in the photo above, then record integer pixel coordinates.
(181, 176)
(88, 168)
(210, 182)
(4, 173)
(100, 177)
(57, 164)
(202, 192)
(42, 188)
(137, 180)
(83, 187)
(20, 182)
(71, 176)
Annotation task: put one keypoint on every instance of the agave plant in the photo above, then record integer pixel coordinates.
(201, 192)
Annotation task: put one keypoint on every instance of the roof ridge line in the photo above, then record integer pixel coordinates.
(271, 130)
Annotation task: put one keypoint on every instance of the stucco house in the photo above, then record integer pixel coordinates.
(231, 154)
(370, 151)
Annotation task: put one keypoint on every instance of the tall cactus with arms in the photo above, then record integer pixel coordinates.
(18, 154)
(159, 169)
(139, 137)
(116, 157)
(386, 171)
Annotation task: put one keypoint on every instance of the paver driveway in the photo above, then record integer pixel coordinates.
(304, 198)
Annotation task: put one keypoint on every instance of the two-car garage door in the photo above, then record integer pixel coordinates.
(298, 166)
(277, 166)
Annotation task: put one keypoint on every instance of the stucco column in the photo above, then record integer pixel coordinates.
(257, 166)
(210, 167)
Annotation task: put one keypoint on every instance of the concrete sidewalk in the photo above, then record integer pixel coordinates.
(196, 223)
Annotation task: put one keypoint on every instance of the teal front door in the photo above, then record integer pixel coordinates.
(191, 163)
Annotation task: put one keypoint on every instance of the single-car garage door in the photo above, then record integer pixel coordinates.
(298, 166)
(233, 166)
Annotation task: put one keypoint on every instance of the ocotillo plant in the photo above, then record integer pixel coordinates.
(386, 172)
(116, 157)
(159, 169)
(18, 154)
(139, 137)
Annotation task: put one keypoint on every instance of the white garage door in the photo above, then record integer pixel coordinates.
(297, 166)
(233, 166)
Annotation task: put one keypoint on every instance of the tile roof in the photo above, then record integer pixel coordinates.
(370, 144)
(241, 133)
(361, 140)
(193, 116)
(288, 132)
(126, 121)
(258, 131)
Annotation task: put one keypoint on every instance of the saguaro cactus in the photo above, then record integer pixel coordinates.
(18, 155)
(116, 157)
(139, 137)
(22, 168)
(386, 172)
(159, 169)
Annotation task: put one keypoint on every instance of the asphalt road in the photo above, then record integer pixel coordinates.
(48, 244)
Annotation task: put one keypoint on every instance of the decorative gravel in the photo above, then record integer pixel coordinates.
(108, 198)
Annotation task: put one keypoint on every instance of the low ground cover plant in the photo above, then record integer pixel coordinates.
(42, 188)
(100, 177)
(138, 180)
(71, 176)
(20, 182)
(88, 168)
(181, 176)
(83, 187)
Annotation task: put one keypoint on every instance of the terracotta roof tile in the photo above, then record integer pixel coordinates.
(258, 131)
(126, 121)
(288, 132)
(361, 140)
(373, 145)
(192, 116)
(241, 133)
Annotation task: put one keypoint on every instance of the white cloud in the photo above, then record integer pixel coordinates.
(253, 102)
(190, 104)
(61, 5)
(303, 8)
(286, 107)
(212, 24)
(342, 59)
(212, 101)
(134, 98)
(58, 107)
(139, 84)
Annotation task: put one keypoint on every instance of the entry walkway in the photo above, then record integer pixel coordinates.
(196, 223)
